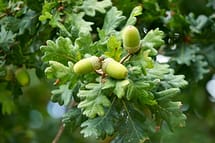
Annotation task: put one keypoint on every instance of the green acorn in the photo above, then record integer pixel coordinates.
(9, 73)
(114, 69)
(87, 65)
(22, 76)
(131, 39)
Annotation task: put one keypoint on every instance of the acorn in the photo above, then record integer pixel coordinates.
(22, 76)
(114, 69)
(87, 65)
(9, 73)
(131, 39)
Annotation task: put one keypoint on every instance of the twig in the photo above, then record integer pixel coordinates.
(100, 72)
(57, 81)
(3, 15)
(59, 133)
(62, 127)
(125, 58)
(108, 139)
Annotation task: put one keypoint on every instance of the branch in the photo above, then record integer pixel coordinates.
(59, 133)
(62, 127)
(3, 15)
(108, 139)
(125, 58)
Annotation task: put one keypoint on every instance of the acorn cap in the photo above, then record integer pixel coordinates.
(105, 63)
(96, 63)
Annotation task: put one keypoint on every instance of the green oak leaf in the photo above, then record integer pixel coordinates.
(73, 117)
(62, 50)
(114, 49)
(80, 23)
(152, 40)
(170, 111)
(7, 37)
(58, 71)
(91, 6)
(112, 20)
(98, 127)
(120, 88)
(62, 95)
(135, 12)
(93, 102)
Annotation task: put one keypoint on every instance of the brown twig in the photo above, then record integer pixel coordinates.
(125, 58)
(100, 72)
(3, 15)
(108, 139)
(59, 133)
(62, 127)
(57, 81)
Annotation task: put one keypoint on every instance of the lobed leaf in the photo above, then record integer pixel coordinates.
(120, 88)
(166, 94)
(135, 12)
(139, 90)
(132, 126)
(170, 111)
(80, 23)
(7, 37)
(63, 94)
(112, 20)
(185, 54)
(93, 102)
(153, 39)
(58, 71)
(91, 6)
(201, 67)
(62, 50)
(114, 49)
(73, 117)
(98, 127)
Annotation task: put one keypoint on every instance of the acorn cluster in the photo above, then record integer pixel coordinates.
(112, 68)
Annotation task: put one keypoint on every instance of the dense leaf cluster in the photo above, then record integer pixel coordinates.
(21, 33)
(141, 108)
(189, 35)
(128, 110)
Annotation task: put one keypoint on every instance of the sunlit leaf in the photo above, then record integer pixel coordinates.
(114, 49)
(135, 12)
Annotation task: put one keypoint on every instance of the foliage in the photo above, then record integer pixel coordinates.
(184, 36)
(21, 33)
(189, 32)
(46, 38)
(113, 107)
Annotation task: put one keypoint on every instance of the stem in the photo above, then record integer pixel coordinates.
(57, 81)
(125, 58)
(108, 139)
(62, 127)
(100, 72)
(3, 15)
(59, 133)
